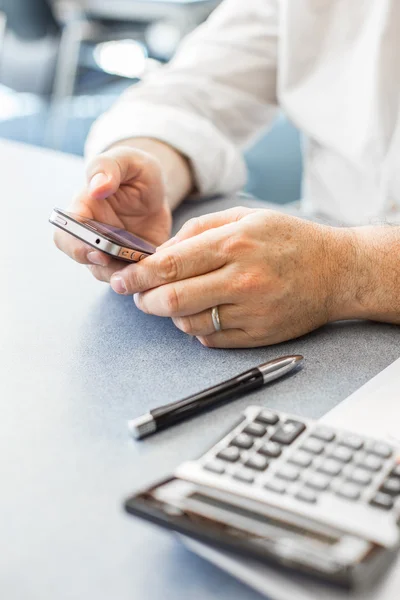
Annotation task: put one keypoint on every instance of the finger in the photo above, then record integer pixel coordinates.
(191, 258)
(104, 273)
(211, 221)
(184, 298)
(79, 251)
(231, 338)
(72, 246)
(201, 324)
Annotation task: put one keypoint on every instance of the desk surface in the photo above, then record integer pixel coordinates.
(77, 361)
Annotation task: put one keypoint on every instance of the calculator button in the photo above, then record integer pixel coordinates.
(215, 467)
(267, 417)
(231, 453)
(275, 485)
(352, 441)
(391, 486)
(330, 467)
(341, 453)
(317, 481)
(271, 449)
(370, 462)
(323, 433)
(258, 462)
(242, 441)
(288, 473)
(255, 429)
(382, 501)
(360, 476)
(312, 445)
(244, 475)
(349, 491)
(306, 495)
(380, 449)
(301, 459)
(395, 472)
(288, 432)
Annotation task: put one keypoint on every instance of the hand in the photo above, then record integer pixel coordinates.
(273, 277)
(125, 188)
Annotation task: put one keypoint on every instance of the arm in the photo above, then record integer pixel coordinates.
(217, 93)
(371, 289)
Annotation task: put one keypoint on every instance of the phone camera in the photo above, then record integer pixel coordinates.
(98, 241)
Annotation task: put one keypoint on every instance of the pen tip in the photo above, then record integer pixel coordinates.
(298, 358)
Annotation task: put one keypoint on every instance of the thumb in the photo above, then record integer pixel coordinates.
(103, 177)
(106, 172)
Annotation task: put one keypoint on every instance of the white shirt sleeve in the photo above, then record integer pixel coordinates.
(215, 95)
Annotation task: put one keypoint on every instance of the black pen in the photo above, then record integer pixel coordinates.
(169, 414)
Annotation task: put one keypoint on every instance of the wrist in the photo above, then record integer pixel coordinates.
(367, 274)
(343, 256)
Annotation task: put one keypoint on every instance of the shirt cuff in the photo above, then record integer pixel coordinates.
(218, 166)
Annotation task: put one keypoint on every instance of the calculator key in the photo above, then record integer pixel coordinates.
(271, 449)
(242, 441)
(395, 472)
(275, 485)
(317, 481)
(382, 501)
(370, 462)
(306, 495)
(391, 486)
(255, 429)
(301, 459)
(313, 445)
(267, 417)
(330, 467)
(244, 475)
(360, 476)
(323, 433)
(288, 432)
(288, 473)
(215, 467)
(258, 462)
(349, 491)
(352, 441)
(232, 453)
(380, 449)
(341, 453)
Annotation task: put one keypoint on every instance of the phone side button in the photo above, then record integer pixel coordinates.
(60, 221)
(142, 256)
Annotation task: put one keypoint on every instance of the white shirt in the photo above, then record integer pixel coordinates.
(333, 66)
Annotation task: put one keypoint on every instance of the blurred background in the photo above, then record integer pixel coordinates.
(64, 62)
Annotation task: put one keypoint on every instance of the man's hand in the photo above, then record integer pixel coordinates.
(272, 276)
(125, 188)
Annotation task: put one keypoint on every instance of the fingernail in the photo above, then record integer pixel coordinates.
(118, 284)
(97, 258)
(98, 181)
(136, 299)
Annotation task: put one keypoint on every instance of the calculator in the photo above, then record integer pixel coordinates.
(290, 491)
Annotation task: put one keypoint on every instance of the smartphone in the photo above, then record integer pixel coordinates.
(116, 242)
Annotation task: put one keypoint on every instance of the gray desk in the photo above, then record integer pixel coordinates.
(77, 361)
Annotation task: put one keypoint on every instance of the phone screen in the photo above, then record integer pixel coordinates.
(114, 234)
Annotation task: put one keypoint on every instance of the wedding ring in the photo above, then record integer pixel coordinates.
(215, 318)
